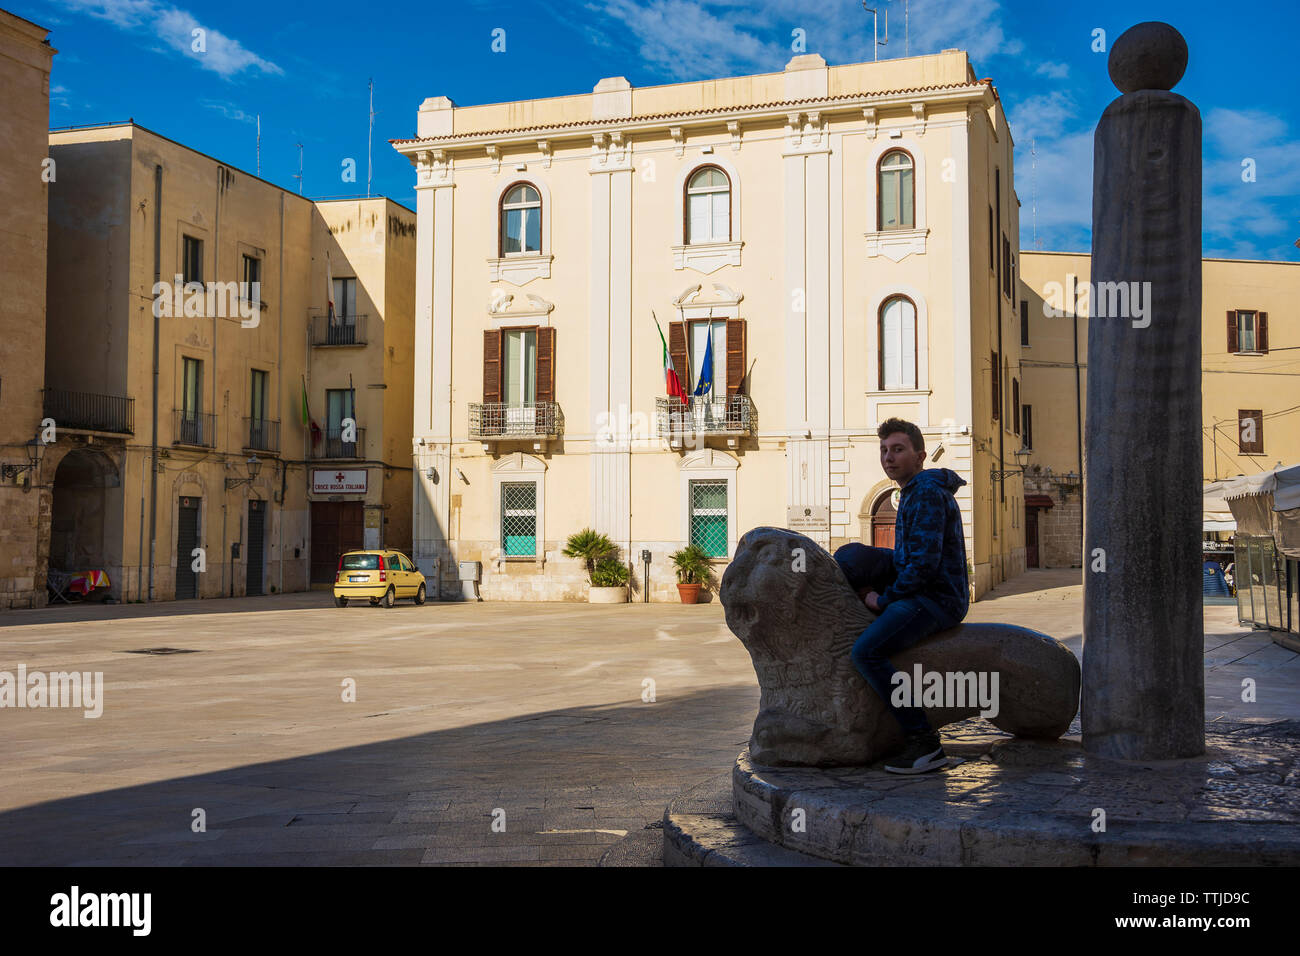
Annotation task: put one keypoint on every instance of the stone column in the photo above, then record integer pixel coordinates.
(1143, 673)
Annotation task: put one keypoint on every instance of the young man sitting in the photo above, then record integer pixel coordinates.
(917, 589)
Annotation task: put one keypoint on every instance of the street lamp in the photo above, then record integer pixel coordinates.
(35, 452)
(1022, 459)
(254, 466)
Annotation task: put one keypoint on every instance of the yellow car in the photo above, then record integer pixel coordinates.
(381, 576)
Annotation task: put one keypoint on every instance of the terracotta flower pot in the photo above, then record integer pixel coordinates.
(689, 593)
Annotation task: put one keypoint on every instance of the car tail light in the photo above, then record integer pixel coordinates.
(339, 573)
(383, 574)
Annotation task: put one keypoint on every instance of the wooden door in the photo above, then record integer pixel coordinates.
(1031, 537)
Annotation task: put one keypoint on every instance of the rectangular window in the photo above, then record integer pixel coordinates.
(1024, 322)
(345, 300)
(258, 395)
(252, 273)
(1246, 332)
(519, 375)
(997, 385)
(192, 393)
(708, 516)
(338, 406)
(1027, 420)
(192, 267)
(1015, 405)
(519, 519)
(1250, 431)
(699, 344)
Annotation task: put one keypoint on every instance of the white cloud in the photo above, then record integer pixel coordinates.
(217, 52)
(230, 111)
(1243, 218)
(1054, 71)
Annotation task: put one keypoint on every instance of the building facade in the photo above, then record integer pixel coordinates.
(1250, 414)
(190, 380)
(823, 248)
(25, 175)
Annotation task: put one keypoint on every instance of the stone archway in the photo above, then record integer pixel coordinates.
(85, 514)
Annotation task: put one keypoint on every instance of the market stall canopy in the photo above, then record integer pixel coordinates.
(1268, 504)
(1215, 513)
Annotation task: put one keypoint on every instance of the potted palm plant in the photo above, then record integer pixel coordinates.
(592, 547)
(692, 567)
(609, 582)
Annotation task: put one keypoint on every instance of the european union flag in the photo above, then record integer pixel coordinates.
(705, 385)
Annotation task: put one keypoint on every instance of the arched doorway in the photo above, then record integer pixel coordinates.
(883, 514)
(82, 504)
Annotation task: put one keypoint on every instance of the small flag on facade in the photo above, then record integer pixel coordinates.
(705, 384)
(671, 381)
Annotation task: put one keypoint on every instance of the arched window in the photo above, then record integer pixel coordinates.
(897, 192)
(708, 206)
(521, 220)
(883, 516)
(897, 336)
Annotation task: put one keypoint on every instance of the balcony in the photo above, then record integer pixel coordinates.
(344, 330)
(86, 410)
(528, 421)
(332, 447)
(261, 434)
(194, 428)
(731, 416)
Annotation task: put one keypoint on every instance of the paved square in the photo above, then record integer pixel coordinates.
(530, 715)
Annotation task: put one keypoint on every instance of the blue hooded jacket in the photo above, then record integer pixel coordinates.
(929, 547)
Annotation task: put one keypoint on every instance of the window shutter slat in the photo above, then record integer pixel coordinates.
(1232, 331)
(546, 364)
(735, 355)
(1263, 332)
(492, 365)
(677, 352)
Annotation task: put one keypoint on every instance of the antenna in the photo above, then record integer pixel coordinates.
(877, 43)
(907, 31)
(370, 136)
(1033, 188)
(259, 145)
(299, 176)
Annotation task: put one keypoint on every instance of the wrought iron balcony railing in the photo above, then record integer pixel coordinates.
(332, 446)
(493, 420)
(98, 413)
(261, 434)
(195, 428)
(727, 415)
(344, 330)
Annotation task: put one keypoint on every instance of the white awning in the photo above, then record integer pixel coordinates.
(1283, 483)
(1215, 513)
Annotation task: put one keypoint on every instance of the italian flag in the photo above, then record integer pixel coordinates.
(671, 381)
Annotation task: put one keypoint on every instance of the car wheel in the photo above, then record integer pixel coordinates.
(419, 595)
(340, 602)
(389, 597)
(374, 602)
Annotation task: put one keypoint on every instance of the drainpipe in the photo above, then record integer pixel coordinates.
(1078, 415)
(279, 373)
(153, 448)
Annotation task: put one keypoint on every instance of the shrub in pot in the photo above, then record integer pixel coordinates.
(693, 571)
(609, 582)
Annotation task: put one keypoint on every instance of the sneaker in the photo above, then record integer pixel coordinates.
(920, 754)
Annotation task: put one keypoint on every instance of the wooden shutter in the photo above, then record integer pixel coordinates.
(492, 365)
(677, 352)
(1257, 446)
(546, 363)
(997, 386)
(735, 355)
(1261, 336)
(1232, 331)
(1015, 405)
(1028, 413)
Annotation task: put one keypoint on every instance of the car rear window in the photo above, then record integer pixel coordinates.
(360, 562)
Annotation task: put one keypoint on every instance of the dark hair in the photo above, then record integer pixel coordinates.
(893, 425)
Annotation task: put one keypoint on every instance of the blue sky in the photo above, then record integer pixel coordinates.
(305, 67)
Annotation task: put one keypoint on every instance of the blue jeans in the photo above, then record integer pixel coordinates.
(901, 625)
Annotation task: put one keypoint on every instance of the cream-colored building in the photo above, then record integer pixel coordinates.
(359, 366)
(25, 58)
(180, 349)
(842, 237)
(1250, 413)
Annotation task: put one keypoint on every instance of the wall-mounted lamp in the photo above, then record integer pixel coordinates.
(432, 474)
(938, 452)
(1022, 459)
(35, 452)
(254, 466)
(461, 475)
